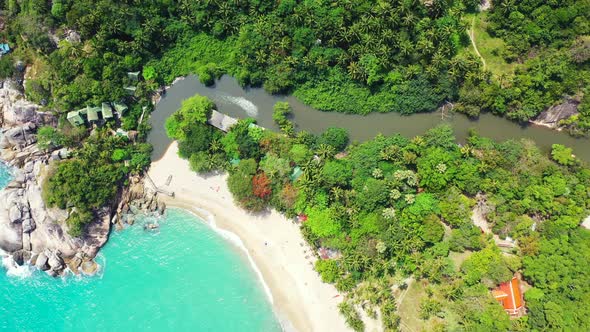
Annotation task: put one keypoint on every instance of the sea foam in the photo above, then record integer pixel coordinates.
(248, 106)
(13, 269)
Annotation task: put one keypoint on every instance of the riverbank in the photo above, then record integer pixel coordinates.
(233, 100)
(274, 243)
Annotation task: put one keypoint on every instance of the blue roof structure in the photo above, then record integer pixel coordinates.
(4, 48)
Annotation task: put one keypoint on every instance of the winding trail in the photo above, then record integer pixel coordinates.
(472, 38)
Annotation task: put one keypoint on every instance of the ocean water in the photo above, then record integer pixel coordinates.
(5, 175)
(182, 277)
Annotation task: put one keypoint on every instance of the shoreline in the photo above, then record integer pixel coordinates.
(209, 220)
(300, 300)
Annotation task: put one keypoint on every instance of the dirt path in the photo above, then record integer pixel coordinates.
(472, 38)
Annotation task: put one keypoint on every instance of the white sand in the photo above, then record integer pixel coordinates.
(300, 299)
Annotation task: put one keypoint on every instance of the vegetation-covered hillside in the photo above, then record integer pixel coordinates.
(393, 207)
(382, 210)
(346, 56)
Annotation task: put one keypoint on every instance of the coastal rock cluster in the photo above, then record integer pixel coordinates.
(30, 230)
(137, 200)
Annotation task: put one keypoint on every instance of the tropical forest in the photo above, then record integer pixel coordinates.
(415, 232)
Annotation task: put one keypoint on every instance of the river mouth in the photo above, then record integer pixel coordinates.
(233, 100)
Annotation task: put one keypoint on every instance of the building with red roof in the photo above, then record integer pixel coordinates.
(508, 294)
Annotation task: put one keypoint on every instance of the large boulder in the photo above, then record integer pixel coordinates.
(74, 263)
(29, 225)
(14, 213)
(19, 136)
(42, 262)
(554, 114)
(56, 263)
(89, 267)
(16, 111)
(21, 111)
(18, 257)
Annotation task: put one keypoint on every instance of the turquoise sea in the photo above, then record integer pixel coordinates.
(183, 277)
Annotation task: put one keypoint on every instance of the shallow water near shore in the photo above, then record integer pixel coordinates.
(231, 99)
(182, 277)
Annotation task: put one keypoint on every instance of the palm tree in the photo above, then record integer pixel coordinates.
(409, 19)
(337, 193)
(405, 48)
(325, 151)
(216, 145)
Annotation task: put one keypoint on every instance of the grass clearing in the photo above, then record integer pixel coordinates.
(489, 48)
(459, 257)
(409, 312)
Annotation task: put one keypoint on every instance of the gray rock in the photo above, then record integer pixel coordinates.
(55, 155)
(14, 214)
(29, 225)
(34, 259)
(554, 114)
(56, 263)
(27, 255)
(63, 153)
(153, 205)
(73, 37)
(161, 208)
(18, 257)
(20, 136)
(20, 178)
(42, 262)
(29, 167)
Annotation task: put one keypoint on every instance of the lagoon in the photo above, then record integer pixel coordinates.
(233, 100)
(184, 277)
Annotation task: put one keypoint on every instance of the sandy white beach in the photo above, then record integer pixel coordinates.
(275, 244)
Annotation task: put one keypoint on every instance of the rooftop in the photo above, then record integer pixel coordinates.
(74, 118)
(92, 113)
(221, 121)
(4, 48)
(133, 75)
(107, 111)
(119, 107)
(508, 294)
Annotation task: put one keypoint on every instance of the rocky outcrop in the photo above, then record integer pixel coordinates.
(16, 111)
(28, 228)
(27, 224)
(137, 200)
(554, 114)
